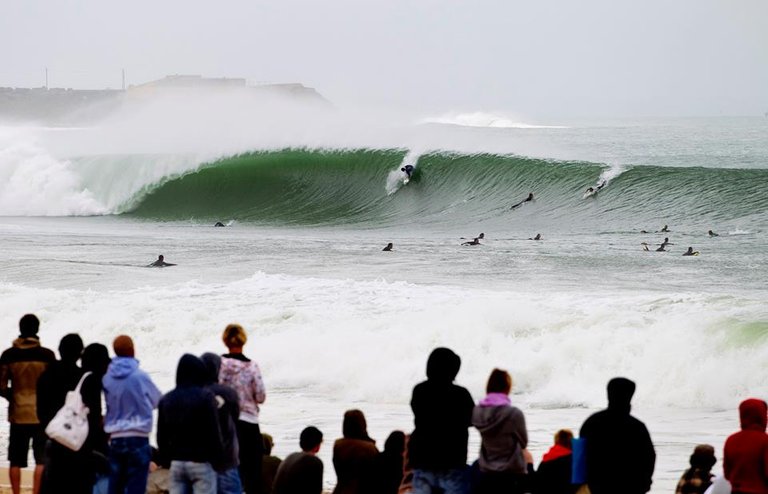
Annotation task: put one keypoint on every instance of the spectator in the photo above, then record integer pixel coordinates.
(503, 466)
(95, 360)
(354, 456)
(159, 480)
(699, 477)
(188, 430)
(243, 375)
(130, 396)
(269, 466)
(745, 458)
(618, 449)
(389, 464)
(20, 368)
(554, 473)
(302, 473)
(62, 465)
(228, 477)
(442, 413)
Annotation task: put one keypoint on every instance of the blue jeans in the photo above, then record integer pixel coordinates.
(129, 465)
(189, 477)
(229, 482)
(452, 481)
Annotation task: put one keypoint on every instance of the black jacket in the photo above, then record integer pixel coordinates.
(442, 414)
(619, 452)
(59, 378)
(188, 425)
(228, 410)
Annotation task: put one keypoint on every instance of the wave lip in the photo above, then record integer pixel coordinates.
(486, 120)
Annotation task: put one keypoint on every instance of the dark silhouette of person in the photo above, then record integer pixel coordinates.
(388, 248)
(537, 237)
(160, 263)
(442, 414)
(219, 223)
(474, 241)
(408, 169)
(690, 252)
(665, 229)
(661, 248)
(619, 452)
(527, 199)
(712, 234)
(389, 464)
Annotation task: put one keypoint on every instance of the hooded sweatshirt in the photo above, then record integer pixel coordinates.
(20, 368)
(130, 396)
(619, 452)
(442, 413)
(504, 435)
(228, 409)
(188, 422)
(745, 459)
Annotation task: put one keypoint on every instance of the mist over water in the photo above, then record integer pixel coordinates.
(312, 194)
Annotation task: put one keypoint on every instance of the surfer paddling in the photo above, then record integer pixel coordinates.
(388, 248)
(160, 263)
(712, 234)
(527, 199)
(691, 252)
(475, 241)
(537, 237)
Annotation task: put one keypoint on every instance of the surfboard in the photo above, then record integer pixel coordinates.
(589, 194)
(406, 180)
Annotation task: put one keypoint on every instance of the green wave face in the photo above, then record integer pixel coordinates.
(306, 187)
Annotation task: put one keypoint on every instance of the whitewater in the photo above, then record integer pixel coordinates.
(335, 323)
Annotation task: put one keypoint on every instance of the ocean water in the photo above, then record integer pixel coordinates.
(335, 323)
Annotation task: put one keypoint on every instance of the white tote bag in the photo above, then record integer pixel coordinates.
(69, 427)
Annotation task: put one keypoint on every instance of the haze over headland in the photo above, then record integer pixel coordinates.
(550, 59)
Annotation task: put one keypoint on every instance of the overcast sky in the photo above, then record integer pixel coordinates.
(534, 58)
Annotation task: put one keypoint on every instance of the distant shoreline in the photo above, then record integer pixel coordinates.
(66, 106)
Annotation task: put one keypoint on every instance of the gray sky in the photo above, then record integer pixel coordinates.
(532, 58)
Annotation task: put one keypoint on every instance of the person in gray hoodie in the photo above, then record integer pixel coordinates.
(504, 437)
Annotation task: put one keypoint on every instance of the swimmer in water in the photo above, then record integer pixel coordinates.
(408, 169)
(712, 234)
(160, 263)
(388, 248)
(664, 230)
(475, 241)
(219, 223)
(527, 199)
(537, 237)
(666, 242)
(691, 252)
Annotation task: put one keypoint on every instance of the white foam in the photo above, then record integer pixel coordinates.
(368, 341)
(484, 119)
(34, 183)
